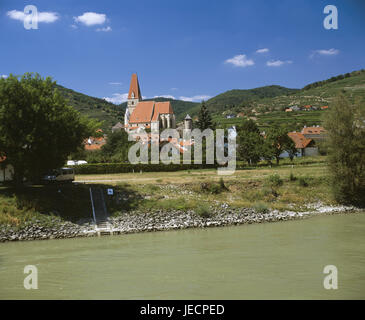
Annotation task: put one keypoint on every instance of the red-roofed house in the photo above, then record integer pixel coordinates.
(317, 133)
(147, 114)
(305, 146)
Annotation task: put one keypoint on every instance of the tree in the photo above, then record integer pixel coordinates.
(117, 146)
(277, 141)
(38, 130)
(345, 125)
(250, 142)
(204, 118)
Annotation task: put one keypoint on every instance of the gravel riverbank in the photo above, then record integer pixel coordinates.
(133, 222)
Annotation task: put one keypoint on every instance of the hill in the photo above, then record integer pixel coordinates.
(92, 107)
(268, 101)
(235, 100)
(270, 111)
(318, 94)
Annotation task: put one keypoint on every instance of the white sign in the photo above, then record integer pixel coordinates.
(110, 192)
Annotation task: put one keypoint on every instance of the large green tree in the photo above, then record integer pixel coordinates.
(117, 146)
(38, 130)
(204, 118)
(277, 141)
(249, 141)
(345, 125)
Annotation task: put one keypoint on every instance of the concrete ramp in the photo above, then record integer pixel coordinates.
(100, 213)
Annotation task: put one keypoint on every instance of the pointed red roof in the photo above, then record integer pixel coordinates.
(134, 88)
(299, 139)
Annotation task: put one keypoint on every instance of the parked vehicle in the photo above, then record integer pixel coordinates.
(60, 176)
(76, 162)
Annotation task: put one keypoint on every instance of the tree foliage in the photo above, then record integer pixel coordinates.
(38, 130)
(204, 118)
(345, 124)
(250, 142)
(277, 141)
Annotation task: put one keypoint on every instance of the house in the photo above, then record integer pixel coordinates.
(230, 116)
(146, 114)
(295, 108)
(316, 132)
(6, 170)
(119, 126)
(307, 108)
(94, 143)
(289, 110)
(305, 146)
(324, 108)
(240, 115)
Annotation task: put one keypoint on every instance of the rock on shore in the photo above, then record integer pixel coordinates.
(132, 222)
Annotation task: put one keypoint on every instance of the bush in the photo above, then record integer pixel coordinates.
(292, 177)
(303, 182)
(275, 180)
(212, 187)
(261, 207)
(203, 210)
(108, 168)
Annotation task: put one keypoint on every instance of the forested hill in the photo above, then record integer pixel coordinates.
(92, 107)
(263, 99)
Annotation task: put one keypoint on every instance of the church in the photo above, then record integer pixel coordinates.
(147, 115)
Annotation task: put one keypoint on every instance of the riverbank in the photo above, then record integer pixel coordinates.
(177, 200)
(135, 222)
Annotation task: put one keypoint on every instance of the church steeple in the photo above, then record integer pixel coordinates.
(134, 90)
(134, 95)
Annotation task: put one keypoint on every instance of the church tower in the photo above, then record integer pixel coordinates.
(134, 95)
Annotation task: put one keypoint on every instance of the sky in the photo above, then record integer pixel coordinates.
(186, 49)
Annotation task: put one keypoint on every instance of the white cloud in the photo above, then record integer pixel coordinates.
(46, 17)
(174, 89)
(325, 52)
(91, 18)
(117, 98)
(167, 96)
(264, 50)
(106, 29)
(3, 76)
(195, 98)
(277, 63)
(240, 61)
(116, 83)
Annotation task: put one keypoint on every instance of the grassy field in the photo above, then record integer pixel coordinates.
(293, 187)
(284, 187)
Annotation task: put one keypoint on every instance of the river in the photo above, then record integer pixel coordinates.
(283, 260)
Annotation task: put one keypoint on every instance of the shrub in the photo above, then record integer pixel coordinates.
(261, 207)
(303, 182)
(203, 210)
(292, 177)
(213, 187)
(107, 168)
(275, 180)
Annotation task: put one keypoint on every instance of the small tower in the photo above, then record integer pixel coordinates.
(134, 95)
(188, 123)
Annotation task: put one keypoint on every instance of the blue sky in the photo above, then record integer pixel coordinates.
(190, 49)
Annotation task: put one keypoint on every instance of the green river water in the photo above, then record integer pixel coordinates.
(283, 260)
